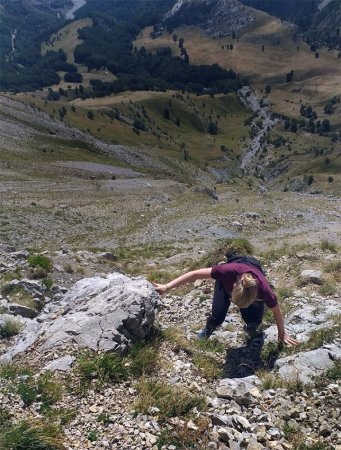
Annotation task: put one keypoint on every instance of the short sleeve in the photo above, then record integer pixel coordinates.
(220, 271)
(269, 298)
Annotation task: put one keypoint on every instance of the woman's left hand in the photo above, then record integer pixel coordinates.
(286, 339)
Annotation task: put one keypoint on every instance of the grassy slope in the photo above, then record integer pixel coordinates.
(193, 112)
(316, 80)
(67, 39)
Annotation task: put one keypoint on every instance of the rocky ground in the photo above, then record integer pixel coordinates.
(72, 230)
(252, 395)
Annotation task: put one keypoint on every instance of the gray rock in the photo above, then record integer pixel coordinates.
(312, 276)
(252, 215)
(62, 364)
(242, 391)
(27, 337)
(306, 365)
(35, 288)
(23, 311)
(309, 317)
(101, 313)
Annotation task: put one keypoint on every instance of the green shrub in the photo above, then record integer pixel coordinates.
(31, 436)
(334, 373)
(185, 438)
(143, 359)
(62, 415)
(39, 260)
(327, 288)
(104, 367)
(326, 245)
(92, 436)
(171, 401)
(111, 367)
(5, 417)
(46, 387)
(9, 328)
(10, 371)
(19, 295)
(47, 282)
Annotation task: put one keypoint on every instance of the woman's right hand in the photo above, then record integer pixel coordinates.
(160, 288)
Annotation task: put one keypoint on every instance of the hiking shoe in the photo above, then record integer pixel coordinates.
(206, 332)
(252, 331)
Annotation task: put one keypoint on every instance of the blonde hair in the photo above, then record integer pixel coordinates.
(245, 291)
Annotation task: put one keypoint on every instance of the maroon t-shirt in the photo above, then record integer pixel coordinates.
(229, 273)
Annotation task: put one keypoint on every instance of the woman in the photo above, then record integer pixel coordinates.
(242, 281)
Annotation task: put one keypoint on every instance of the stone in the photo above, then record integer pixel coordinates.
(252, 215)
(108, 313)
(23, 311)
(312, 276)
(242, 391)
(62, 364)
(306, 365)
(254, 445)
(218, 419)
(225, 434)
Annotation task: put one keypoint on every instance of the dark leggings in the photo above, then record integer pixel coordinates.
(252, 316)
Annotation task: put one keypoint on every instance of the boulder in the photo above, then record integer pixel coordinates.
(108, 313)
(303, 366)
(242, 390)
(312, 276)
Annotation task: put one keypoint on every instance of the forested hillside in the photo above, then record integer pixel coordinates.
(319, 22)
(22, 29)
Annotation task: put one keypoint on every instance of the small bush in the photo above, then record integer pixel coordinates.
(270, 351)
(208, 366)
(19, 295)
(284, 292)
(11, 371)
(143, 359)
(31, 436)
(62, 415)
(42, 261)
(47, 282)
(184, 438)
(9, 328)
(326, 245)
(334, 373)
(92, 436)
(327, 288)
(105, 367)
(111, 367)
(5, 417)
(172, 402)
(46, 387)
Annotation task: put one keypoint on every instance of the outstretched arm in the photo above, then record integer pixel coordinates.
(282, 335)
(183, 279)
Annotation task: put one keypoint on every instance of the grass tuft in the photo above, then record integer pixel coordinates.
(112, 367)
(239, 246)
(38, 260)
(46, 388)
(27, 435)
(184, 438)
(9, 328)
(329, 246)
(10, 371)
(171, 401)
(203, 352)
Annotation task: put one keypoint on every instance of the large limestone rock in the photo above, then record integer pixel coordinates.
(100, 313)
(306, 365)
